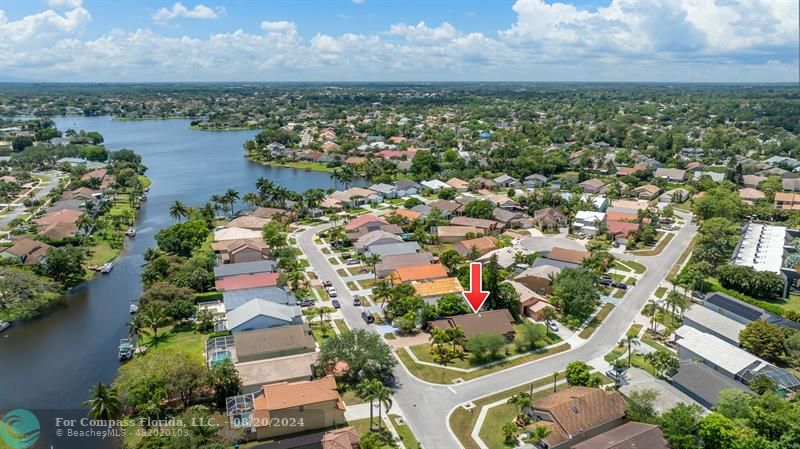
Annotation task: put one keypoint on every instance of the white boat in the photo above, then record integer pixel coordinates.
(105, 269)
(134, 308)
(131, 232)
(4, 325)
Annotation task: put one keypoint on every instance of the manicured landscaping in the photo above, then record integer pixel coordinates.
(341, 325)
(189, 341)
(660, 291)
(657, 250)
(463, 421)
(596, 321)
(304, 165)
(445, 376)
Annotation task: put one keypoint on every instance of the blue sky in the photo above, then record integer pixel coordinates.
(375, 40)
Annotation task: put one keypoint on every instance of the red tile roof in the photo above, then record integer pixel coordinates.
(362, 220)
(246, 281)
(622, 228)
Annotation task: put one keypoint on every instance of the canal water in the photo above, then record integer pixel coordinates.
(52, 362)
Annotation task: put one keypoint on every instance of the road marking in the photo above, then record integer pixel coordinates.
(451, 389)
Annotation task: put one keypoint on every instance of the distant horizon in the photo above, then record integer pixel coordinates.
(548, 41)
(414, 82)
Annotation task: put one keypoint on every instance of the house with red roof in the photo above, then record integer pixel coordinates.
(246, 281)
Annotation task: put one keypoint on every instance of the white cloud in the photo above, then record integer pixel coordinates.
(628, 40)
(281, 26)
(64, 4)
(200, 11)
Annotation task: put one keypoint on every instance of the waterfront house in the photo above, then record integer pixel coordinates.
(27, 251)
(58, 225)
(262, 344)
(251, 222)
(237, 269)
(246, 281)
(385, 190)
(235, 298)
(241, 250)
(224, 234)
(351, 198)
(271, 213)
(261, 314)
(315, 403)
(487, 322)
(576, 414)
(292, 368)
(478, 246)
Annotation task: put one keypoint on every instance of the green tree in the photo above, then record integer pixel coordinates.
(274, 234)
(182, 238)
(510, 433)
(734, 404)
(104, 403)
(479, 209)
(450, 259)
(681, 425)
(366, 354)
(154, 316)
(485, 346)
(630, 340)
(532, 336)
(224, 379)
(24, 294)
(641, 406)
(578, 374)
(522, 401)
(763, 339)
(717, 432)
(575, 293)
(64, 265)
(451, 304)
(178, 210)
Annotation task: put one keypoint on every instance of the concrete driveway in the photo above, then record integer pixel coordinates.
(547, 242)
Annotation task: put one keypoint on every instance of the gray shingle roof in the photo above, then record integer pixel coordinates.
(235, 269)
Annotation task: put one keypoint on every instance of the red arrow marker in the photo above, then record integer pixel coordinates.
(475, 296)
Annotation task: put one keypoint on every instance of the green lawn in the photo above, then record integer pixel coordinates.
(596, 321)
(463, 421)
(445, 376)
(187, 341)
(660, 291)
(648, 340)
(439, 249)
(341, 325)
(409, 440)
(102, 253)
(321, 332)
(304, 165)
(617, 265)
(351, 398)
(657, 250)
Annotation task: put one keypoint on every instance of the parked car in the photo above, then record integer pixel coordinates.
(306, 303)
(356, 300)
(605, 280)
(620, 285)
(4, 325)
(352, 262)
(335, 303)
(332, 292)
(327, 284)
(552, 325)
(698, 295)
(368, 318)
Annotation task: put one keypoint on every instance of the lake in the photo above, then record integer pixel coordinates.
(52, 362)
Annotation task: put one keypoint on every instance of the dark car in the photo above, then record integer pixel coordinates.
(356, 300)
(368, 318)
(327, 284)
(335, 303)
(698, 295)
(605, 280)
(620, 285)
(307, 303)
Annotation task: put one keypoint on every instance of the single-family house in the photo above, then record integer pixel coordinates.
(261, 314)
(262, 344)
(576, 414)
(622, 230)
(588, 222)
(743, 312)
(671, 174)
(531, 304)
(483, 224)
(224, 234)
(750, 195)
(385, 190)
(674, 196)
(292, 368)
(416, 273)
(446, 207)
(316, 403)
(549, 218)
(489, 322)
(241, 250)
(568, 255)
(406, 214)
(236, 298)
(481, 183)
(475, 247)
(389, 264)
(791, 184)
(407, 187)
(246, 281)
(538, 278)
(787, 201)
(452, 234)
(375, 238)
(27, 251)
(703, 384)
(367, 220)
(425, 210)
(506, 181)
(647, 192)
(352, 197)
(692, 152)
(435, 185)
(249, 222)
(631, 435)
(434, 289)
(394, 249)
(695, 166)
(511, 218)
(711, 322)
(535, 181)
(458, 184)
(593, 185)
(237, 269)
(752, 180)
(270, 213)
(622, 214)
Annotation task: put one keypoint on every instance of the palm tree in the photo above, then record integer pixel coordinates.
(538, 434)
(231, 196)
(522, 401)
(367, 390)
(153, 317)
(104, 403)
(456, 336)
(373, 259)
(548, 313)
(383, 395)
(178, 210)
(675, 301)
(135, 327)
(382, 290)
(265, 187)
(217, 201)
(313, 197)
(84, 223)
(630, 340)
(294, 278)
(250, 199)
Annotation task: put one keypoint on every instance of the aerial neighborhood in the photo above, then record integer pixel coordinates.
(641, 267)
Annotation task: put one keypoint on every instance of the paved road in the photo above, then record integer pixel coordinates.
(427, 406)
(14, 213)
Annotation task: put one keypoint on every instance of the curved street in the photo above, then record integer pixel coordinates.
(427, 406)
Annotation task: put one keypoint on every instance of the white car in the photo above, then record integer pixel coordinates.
(4, 325)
